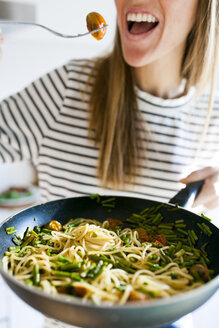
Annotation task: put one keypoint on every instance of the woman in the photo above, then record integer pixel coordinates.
(135, 122)
(158, 70)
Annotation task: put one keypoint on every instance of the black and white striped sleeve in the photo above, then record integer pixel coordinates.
(26, 116)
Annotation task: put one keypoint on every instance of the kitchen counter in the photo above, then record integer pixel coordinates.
(14, 313)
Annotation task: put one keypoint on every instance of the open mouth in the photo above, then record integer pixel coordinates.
(139, 23)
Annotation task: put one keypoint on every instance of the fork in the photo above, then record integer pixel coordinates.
(10, 22)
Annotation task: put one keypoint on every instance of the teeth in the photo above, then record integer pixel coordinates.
(139, 17)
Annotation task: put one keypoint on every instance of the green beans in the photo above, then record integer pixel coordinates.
(108, 202)
(95, 196)
(171, 250)
(46, 231)
(205, 217)
(206, 229)
(17, 240)
(36, 275)
(151, 293)
(165, 257)
(165, 226)
(158, 218)
(75, 223)
(73, 276)
(180, 225)
(26, 233)
(126, 238)
(10, 230)
(37, 229)
(153, 266)
(63, 259)
(182, 231)
(181, 252)
(178, 238)
(178, 246)
(96, 271)
(152, 257)
(28, 241)
(70, 267)
(124, 265)
(14, 249)
(179, 221)
(29, 282)
(191, 237)
(104, 258)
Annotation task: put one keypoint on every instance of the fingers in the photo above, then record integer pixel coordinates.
(212, 204)
(200, 174)
(209, 195)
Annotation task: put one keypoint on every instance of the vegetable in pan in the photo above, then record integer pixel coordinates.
(139, 259)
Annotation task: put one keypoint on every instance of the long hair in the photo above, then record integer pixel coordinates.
(115, 121)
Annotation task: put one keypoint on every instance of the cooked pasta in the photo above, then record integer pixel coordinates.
(104, 262)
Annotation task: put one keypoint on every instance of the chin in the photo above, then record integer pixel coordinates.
(136, 59)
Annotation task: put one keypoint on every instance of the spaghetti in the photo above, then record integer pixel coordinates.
(104, 262)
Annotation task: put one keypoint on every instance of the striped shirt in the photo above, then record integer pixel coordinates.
(47, 124)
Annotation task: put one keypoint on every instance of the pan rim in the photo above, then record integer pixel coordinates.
(211, 285)
(121, 197)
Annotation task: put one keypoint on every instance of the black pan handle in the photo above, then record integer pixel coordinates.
(186, 196)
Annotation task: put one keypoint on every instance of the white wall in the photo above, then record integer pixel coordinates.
(31, 52)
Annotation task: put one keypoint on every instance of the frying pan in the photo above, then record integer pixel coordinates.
(71, 310)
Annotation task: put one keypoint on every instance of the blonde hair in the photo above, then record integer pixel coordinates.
(115, 121)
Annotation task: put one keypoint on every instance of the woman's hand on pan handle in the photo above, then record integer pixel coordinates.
(209, 194)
